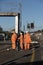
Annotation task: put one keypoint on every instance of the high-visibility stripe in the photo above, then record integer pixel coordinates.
(33, 55)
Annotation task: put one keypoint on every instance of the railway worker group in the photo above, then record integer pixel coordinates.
(23, 38)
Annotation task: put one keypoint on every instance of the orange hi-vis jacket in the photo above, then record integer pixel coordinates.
(21, 38)
(27, 38)
(14, 37)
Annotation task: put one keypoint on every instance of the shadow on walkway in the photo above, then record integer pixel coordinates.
(28, 63)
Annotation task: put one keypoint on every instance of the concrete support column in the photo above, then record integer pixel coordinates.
(17, 23)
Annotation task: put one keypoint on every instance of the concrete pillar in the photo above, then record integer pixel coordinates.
(17, 23)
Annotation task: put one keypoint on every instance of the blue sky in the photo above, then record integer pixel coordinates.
(32, 11)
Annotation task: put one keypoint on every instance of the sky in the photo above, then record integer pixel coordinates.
(32, 11)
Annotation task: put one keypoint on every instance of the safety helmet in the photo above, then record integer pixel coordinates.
(13, 31)
(21, 33)
(26, 31)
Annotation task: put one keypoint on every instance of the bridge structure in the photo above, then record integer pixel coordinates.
(17, 19)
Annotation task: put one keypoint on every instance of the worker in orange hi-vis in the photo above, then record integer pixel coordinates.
(27, 40)
(13, 39)
(21, 40)
(25, 43)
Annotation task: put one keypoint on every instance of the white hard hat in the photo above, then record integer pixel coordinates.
(26, 31)
(20, 33)
(13, 31)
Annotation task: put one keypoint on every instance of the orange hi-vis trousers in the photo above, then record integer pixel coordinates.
(13, 45)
